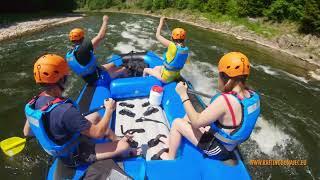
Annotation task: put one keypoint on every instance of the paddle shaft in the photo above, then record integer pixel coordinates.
(93, 110)
(199, 93)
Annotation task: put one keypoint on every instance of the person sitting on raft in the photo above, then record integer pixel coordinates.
(226, 122)
(58, 125)
(81, 58)
(174, 58)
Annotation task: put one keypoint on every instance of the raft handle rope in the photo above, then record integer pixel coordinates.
(131, 131)
(151, 120)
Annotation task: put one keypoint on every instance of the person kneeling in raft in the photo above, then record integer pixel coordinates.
(59, 126)
(174, 58)
(81, 58)
(226, 122)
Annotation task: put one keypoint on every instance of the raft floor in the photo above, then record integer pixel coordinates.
(152, 129)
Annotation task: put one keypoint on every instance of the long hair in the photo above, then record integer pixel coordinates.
(234, 81)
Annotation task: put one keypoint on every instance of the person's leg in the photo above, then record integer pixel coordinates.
(156, 72)
(111, 149)
(181, 128)
(108, 66)
(111, 135)
(114, 71)
(118, 72)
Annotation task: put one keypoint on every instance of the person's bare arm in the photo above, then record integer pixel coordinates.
(213, 112)
(27, 130)
(159, 37)
(99, 130)
(96, 40)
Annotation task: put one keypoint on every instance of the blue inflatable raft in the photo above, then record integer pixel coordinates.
(190, 162)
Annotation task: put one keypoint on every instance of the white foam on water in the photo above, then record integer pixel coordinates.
(299, 78)
(128, 35)
(125, 47)
(123, 23)
(200, 74)
(55, 36)
(266, 69)
(111, 26)
(71, 82)
(90, 30)
(269, 136)
(35, 40)
(23, 74)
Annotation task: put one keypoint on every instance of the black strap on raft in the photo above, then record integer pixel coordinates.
(151, 120)
(131, 131)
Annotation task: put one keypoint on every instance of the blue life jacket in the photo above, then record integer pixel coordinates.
(179, 60)
(251, 111)
(36, 117)
(79, 69)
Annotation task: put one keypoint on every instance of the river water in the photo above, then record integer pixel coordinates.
(289, 127)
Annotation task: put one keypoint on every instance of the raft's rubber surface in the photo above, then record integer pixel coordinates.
(152, 129)
(190, 163)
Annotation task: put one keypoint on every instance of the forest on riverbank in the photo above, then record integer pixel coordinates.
(305, 13)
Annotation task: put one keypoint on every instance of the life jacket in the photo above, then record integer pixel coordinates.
(179, 60)
(79, 69)
(36, 119)
(250, 113)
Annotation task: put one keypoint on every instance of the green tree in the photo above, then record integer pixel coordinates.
(253, 8)
(181, 4)
(216, 6)
(147, 4)
(311, 20)
(285, 9)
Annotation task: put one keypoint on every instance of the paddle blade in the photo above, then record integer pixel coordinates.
(188, 61)
(13, 145)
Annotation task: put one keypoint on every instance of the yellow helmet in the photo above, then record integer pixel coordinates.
(76, 34)
(234, 64)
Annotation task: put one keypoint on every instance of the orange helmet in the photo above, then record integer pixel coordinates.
(76, 34)
(234, 64)
(179, 33)
(50, 68)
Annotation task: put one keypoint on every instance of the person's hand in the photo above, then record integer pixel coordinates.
(105, 18)
(181, 89)
(162, 19)
(109, 104)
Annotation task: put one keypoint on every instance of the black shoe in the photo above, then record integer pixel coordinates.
(157, 156)
(155, 141)
(125, 104)
(150, 111)
(146, 104)
(127, 112)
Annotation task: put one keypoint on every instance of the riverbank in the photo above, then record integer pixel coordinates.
(305, 48)
(21, 28)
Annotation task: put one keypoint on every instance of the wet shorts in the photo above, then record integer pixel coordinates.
(212, 147)
(86, 151)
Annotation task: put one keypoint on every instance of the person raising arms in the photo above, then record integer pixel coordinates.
(81, 58)
(173, 59)
(227, 121)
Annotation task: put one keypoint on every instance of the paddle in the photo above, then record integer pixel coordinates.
(199, 93)
(15, 145)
